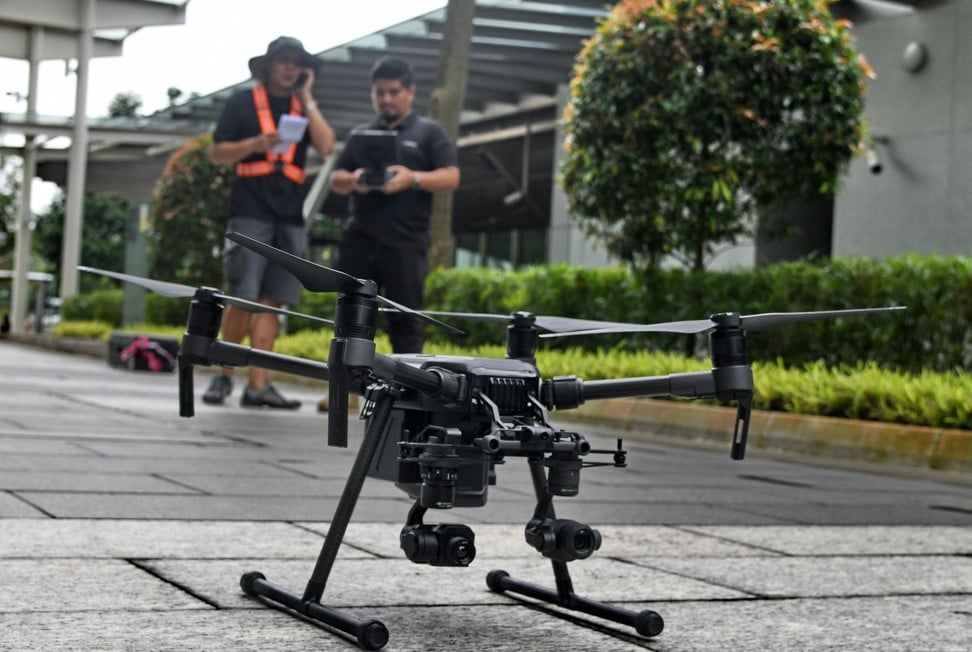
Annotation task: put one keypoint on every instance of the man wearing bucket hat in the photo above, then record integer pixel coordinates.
(266, 200)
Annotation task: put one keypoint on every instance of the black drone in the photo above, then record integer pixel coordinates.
(437, 425)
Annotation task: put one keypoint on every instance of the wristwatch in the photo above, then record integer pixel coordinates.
(416, 181)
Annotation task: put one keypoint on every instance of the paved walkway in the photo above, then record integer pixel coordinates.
(125, 527)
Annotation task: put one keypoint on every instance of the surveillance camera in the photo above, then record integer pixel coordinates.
(873, 162)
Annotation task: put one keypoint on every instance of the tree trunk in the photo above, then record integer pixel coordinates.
(445, 105)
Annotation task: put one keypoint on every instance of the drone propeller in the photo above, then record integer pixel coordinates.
(547, 322)
(318, 278)
(760, 322)
(179, 291)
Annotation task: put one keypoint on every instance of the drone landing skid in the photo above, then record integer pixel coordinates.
(647, 623)
(370, 634)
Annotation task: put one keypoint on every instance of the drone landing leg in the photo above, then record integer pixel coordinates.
(647, 623)
(370, 634)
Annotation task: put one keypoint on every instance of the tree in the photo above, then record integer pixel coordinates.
(188, 217)
(124, 105)
(173, 93)
(102, 239)
(445, 105)
(685, 116)
(9, 192)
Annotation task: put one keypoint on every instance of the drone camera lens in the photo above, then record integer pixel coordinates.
(446, 544)
(461, 551)
(584, 542)
(563, 539)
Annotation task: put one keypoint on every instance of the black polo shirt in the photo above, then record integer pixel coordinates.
(401, 218)
(272, 196)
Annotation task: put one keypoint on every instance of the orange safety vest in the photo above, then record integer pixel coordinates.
(283, 162)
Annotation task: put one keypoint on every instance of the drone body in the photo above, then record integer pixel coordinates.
(437, 426)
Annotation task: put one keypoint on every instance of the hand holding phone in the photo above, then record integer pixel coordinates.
(305, 80)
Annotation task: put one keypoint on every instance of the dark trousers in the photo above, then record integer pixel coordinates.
(400, 273)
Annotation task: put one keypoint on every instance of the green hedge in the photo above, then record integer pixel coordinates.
(934, 333)
(101, 305)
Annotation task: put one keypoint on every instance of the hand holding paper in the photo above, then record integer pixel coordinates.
(290, 130)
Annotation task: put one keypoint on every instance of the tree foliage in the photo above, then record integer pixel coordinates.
(686, 115)
(124, 105)
(9, 192)
(102, 237)
(188, 217)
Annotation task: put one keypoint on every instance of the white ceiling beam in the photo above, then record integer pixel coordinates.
(58, 44)
(109, 14)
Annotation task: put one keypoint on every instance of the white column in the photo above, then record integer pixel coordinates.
(21, 287)
(77, 165)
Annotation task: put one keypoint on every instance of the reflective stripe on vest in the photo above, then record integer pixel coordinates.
(283, 162)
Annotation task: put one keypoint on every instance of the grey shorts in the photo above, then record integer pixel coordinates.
(250, 275)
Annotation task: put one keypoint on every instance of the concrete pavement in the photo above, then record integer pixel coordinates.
(126, 527)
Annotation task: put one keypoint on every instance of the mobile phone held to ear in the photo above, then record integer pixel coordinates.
(301, 80)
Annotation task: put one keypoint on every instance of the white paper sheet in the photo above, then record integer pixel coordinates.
(290, 130)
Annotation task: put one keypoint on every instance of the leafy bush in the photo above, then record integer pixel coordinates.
(685, 115)
(101, 305)
(188, 217)
(165, 310)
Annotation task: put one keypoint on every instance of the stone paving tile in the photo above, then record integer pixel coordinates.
(130, 539)
(13, 507)
(94, 464)
(56, 586)
(194, 506)
(859, 514)
(295, 485)
(15, 441)
(70, 481)
(809, 577)
(848, 540)
(892, 624)
(498, 628)
(398, 582)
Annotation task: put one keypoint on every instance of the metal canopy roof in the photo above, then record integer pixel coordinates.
(60, 20)
(521, 49)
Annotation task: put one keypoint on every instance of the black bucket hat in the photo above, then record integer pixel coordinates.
(258, 65)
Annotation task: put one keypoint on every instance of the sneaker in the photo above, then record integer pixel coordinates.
(267, 397)
(220, 387)
(323, 405)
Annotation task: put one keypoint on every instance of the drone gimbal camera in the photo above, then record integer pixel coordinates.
(437, 426)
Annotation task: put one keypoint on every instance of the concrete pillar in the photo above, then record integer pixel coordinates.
(20, 286)
(74, 204)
